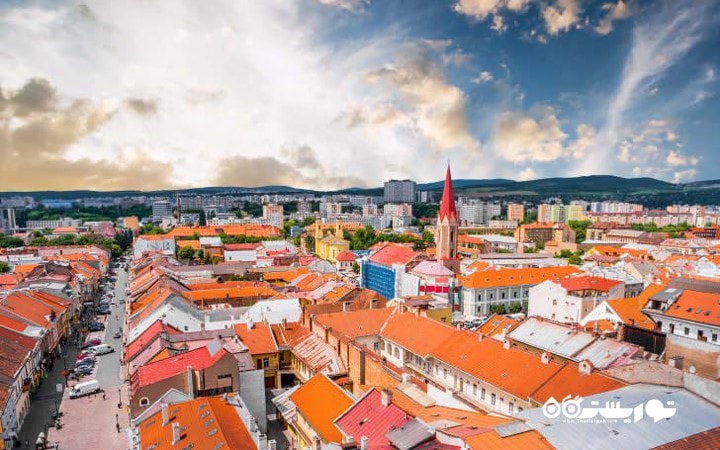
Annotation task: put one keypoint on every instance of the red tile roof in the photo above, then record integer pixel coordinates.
(149, 335)
(198, 418)
(705, 440)
(259, 339)
(696, 306)
(514, 277)
(197, 359)
(392, 253)
(320, 401)
(569, 381)
(587, 283)
(417, 334)
(346, 256)
(368, 417)
(232, 247)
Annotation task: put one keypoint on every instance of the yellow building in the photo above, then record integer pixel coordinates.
(516, 211)
(329, 246)
(131, 223)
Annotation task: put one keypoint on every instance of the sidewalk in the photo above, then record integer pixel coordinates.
(44, 402)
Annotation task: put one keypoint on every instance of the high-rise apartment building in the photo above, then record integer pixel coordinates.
(516, 211)
(399, 191)
(273, 214)
(160, 209)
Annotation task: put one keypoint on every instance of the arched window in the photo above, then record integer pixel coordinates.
(396, 353)
(144, 401)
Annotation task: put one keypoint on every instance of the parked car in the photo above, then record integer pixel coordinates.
(87, 361)
(86, 388)
(102, 349)
(104, 312)
(98, 327)
(117, 335)
(91, 342)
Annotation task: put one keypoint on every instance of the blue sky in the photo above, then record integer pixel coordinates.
(339, 93)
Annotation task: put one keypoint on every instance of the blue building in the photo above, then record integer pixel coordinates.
(382, 270)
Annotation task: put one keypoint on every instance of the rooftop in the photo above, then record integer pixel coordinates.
(321, 414)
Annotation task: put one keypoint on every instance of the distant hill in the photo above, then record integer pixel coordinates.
(648, 191)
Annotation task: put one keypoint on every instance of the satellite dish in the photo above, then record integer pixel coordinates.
(691, 369)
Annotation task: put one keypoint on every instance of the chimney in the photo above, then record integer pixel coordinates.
(506, 344)
(202, 326)
(190, 382)
(317, 443)
(364, 445)
(262, 441)
(406, 377)
(284, 324)
(175, 433)
(480, 337)
(373, 304)
(585, 367)
(272, 444)
(545, 358)
(346, 306)
(165, 414)
(386, 397)
(249, 322)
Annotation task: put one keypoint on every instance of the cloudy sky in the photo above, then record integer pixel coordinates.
(338, 93)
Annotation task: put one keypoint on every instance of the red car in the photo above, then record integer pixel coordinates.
(91, 343)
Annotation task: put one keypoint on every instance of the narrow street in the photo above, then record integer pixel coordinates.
(88, 422)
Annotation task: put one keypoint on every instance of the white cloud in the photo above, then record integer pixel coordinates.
(585, 139)
(675, 158)
(528, 174)
(561, 16)
(498, 24)
(684, 176)
(660, 42)
(350, 5)
(484, 77)
(525, 138)
(196, 86)
(615, 11)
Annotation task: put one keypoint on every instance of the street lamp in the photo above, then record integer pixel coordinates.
(119, 398)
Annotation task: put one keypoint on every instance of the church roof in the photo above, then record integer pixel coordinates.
(447, 204)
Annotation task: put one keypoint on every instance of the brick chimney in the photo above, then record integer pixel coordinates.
(364, 445)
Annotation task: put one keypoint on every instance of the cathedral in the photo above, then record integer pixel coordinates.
(446, 231)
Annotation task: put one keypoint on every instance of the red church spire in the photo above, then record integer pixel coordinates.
(447, 204)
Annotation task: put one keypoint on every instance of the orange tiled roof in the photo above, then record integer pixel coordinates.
(490, 440)
(321, 414)
(630, 311)
(514, 277)
(392, 253)
(337, 293)
(192, 243)
(24, 269)
(569, 380)
(260, 290)
(699, 307)
(199, 418)
(495, 324)
(259, 339)
(588, 283)
(155, 237)
(65, 230)
(346, 256)
(417, 334)
(354, 324)
(285, 275)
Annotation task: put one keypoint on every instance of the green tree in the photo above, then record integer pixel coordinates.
(355, 267)
(515, 307)
(186, 253)
(565, 253)
(498, 309)
(580, 228)
(4, 267)
(575, 260)
(307, 221)
(202, 221)
(10, 241)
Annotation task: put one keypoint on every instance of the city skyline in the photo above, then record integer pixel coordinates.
(332, 94)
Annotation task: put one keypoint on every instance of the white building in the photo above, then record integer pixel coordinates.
(154, 242)
(399, 191)
(570, 299)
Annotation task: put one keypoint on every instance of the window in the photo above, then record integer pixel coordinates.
(510, 407)
(700, 334)
(482, 394)
(514, 294)
(223, 376)
(266, 362)
(445, 374)
(144, 401)
(387, 347)
(491, 296)
(686, 331)
(376, 346)
(502, 296)
(672, 327)
(714, 337)
(554, 302)
(492, 399)
(461, 385)
(475, 389)
(520, 409)
(553, 316)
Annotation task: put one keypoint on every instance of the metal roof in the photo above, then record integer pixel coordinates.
(693, 415)
(409, 435)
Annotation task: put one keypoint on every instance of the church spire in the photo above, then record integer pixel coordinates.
(447, 203)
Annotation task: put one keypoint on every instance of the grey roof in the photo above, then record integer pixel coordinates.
(410, 434)
(284, 405)
(511, 429)
(669, 294)
(693, 415)
(710, 287)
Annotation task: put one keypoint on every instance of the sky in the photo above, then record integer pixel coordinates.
(330, 94)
